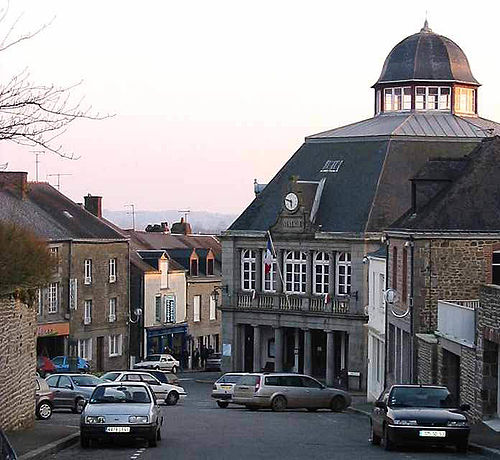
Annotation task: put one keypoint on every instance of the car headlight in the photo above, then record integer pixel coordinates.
(405, 422)
(95, 419)
(138, 419)
(457, 423)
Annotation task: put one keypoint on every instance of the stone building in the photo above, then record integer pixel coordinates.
(84, 310)
(441, 254)
(327, 207)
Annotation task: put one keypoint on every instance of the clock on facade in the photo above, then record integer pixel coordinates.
(291, 201)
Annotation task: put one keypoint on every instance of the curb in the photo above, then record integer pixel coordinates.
(51, 448)
(472, 446)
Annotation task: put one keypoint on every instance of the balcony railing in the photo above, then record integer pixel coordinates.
(457, 320)
(279, 301)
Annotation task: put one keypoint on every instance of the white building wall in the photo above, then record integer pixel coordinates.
(152, 283)
(177, 286)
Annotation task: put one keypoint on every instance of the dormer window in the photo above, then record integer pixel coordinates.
(210, 266)
(396, 99)
(465, 100)
(432, 98)
(194, 267)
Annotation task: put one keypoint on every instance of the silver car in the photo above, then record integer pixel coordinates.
(72, 390)
(121, 410)
(280, 391)
(223, 388)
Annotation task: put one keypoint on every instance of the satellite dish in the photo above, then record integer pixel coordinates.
(138, 312)
(391, 296)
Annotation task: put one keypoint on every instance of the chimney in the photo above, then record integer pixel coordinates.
(93, 204)
(181, 228)
(15, 182)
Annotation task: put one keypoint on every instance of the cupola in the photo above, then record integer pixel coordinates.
(426, 72)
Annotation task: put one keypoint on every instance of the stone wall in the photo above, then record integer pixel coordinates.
(17, 365)
(469, 391)
(426, 359)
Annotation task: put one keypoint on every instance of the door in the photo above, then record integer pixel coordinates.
(295, 393)
(100, 353)
(315, 395)
(52, 383)
(65, 392)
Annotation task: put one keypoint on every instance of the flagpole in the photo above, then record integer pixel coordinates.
(279, 269)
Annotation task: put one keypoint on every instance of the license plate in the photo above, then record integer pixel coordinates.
(432, 433)
(117, 429)
(226, 387)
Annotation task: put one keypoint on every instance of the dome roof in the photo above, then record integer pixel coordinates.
(427, 56)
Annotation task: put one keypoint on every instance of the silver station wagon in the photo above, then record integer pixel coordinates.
(121, 410)
(280, 391)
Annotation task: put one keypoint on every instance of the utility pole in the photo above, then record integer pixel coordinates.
(37, 161)
(58, 175)
(132, 211)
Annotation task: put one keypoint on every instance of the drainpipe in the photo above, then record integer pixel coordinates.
(386, 322)
(412, 312)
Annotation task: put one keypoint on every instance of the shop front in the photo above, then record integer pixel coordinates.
(52, 339)
(168, 339)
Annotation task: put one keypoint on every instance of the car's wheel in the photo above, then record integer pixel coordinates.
(338, 404)
(44, 410)
(388, 445)
(374, 439)
(222, 404)
(278, 404)
(79, 405)
(462, 446)
(153, 440)
(172, 398)
(84, 441)
(174, 370)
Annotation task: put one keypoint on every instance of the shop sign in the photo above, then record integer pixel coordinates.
(54, 329)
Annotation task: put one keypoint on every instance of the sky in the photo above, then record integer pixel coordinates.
(206, 96)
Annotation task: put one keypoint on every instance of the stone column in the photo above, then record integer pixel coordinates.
(256, 349)
(329, 358)
(309, 272)
(296, 351)
(278, 349)
(307, 352)
(242, 352)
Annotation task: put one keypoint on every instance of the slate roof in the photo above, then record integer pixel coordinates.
(470, 203)
(427, 56)
(368, 193)
(414, 124)
(52, 215)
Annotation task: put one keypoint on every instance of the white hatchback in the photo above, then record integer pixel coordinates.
(223, 388)
(163, 391)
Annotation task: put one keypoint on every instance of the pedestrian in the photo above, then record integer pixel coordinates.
(204, 354)
(196, 358)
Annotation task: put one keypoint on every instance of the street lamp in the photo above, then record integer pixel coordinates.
(216, 291)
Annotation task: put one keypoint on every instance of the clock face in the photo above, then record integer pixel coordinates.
(291, 201)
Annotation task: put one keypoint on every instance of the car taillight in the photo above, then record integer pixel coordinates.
(257, 384)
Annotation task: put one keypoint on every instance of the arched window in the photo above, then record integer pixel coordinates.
(321, 272)
(269, 277)
(343, 273)
(248, 270)
(295, 272)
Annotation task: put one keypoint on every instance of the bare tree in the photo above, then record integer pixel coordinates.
(36, 114)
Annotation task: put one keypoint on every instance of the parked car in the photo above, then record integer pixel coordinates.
(419, 414)
(164, 376)
(72, 390)
(214, 362)
(44, 366)
(121, 409)
(288, 390)
(44, 398)
(163, 391)
(164, 362)
(223, 388)
(63, 364)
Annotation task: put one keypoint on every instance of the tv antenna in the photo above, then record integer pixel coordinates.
(37, 161)
(132, 211)
(3, 166)
(185, 212)
(58, 175)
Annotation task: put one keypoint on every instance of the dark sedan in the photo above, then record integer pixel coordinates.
(419, 414)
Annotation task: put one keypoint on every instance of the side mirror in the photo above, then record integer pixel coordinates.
(465, 407)
(68, 386)
(380, 404)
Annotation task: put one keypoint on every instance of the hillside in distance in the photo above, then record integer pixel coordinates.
(201, 221)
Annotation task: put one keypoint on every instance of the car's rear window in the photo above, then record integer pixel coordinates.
(152, 358)
(229, 379)
(120, 394)
(86, 380)
(249, 380)
(420, 397)
(110, 376)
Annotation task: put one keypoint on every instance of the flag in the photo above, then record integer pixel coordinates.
(268, 257)
(327, 298)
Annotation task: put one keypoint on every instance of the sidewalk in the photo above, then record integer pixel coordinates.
(482, 438)
(42, 440)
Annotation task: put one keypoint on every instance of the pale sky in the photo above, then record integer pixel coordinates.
(208, 95)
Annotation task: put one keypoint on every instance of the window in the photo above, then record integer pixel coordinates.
(112, 309)
(88, 271)
(53, 297)
(321, 272)
(381, 282)
(433, 98)
(39, 301)
(420, 99)
(115, 345)
(465, 100)
(158, 309)
(404, 282)
(196, 308)
(378, 102)
(112, 270)
(87, 314)
(396, 99)
(295, 272)
(54, 253)
(210, 267)
(85, 349)
(248, 270)
(395, 268)
(495, 272)
(343, 273)
(194, 267)
(332, 166)
(269, 277)
(271, 348)
(213, 311)
(169, 306)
